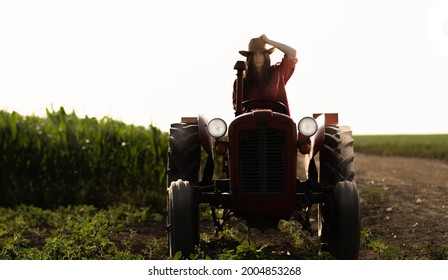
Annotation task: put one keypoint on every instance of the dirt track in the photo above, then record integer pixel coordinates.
(405, 202)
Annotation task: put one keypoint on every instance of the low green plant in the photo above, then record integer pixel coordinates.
(246, 251)
(155, 249)
(294, 230)
(377, 245)
(306, 247)
(76, 232)
(374, 194)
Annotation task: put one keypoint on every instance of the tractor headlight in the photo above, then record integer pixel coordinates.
(217, 128)
(307, 126)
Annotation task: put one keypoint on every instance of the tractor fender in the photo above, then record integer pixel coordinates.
(317, 140)
(204, 137)
(207, 143)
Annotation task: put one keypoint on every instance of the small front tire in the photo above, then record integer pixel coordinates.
(182, 219)
(339, 222)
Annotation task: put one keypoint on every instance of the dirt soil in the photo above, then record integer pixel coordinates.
(404, 201)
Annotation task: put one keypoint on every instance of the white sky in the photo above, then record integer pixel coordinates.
(382, 65)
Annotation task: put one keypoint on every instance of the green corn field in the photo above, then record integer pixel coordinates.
(66, 160)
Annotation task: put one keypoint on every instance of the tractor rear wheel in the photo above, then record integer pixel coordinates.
(337, 155)
(182, 219)
(339, 216)
(184, 154)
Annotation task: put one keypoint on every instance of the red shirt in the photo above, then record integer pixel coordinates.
(275, 90)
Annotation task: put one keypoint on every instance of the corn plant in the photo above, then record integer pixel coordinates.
(62, 159)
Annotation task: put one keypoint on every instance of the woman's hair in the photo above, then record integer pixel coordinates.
(251, 73)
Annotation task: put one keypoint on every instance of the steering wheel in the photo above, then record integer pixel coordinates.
(274, 105)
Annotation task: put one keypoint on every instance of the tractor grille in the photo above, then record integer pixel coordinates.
(263, 162)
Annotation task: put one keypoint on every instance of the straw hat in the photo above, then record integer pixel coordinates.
(257, 45)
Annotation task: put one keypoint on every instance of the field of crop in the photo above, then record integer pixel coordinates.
(83, 188)
(66, 160)
(425, 146)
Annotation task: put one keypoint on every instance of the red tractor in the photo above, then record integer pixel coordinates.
(261, 186)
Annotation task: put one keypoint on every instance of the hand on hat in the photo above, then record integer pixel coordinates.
(290, 52)
(265, 38)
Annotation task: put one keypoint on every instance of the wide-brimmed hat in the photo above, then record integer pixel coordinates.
(257, 45)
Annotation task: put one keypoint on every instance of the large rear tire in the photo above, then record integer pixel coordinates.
(339, 216)
(184, 154)
(182, 219)
(337, 156)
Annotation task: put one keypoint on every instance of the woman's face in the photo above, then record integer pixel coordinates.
(258, 60)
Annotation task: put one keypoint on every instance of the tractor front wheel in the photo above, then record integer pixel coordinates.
(182, 219)
(339, 222)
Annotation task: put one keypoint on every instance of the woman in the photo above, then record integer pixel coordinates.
(263, 81)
